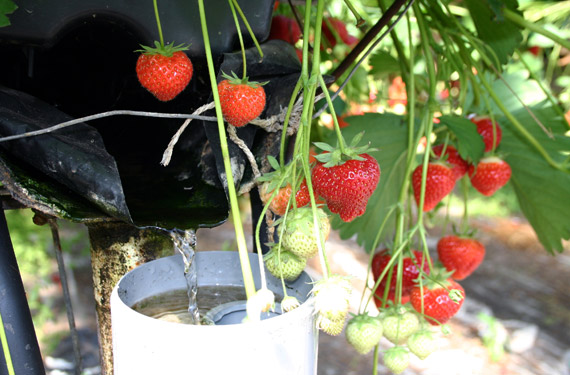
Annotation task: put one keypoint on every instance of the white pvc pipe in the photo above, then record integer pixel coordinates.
(286, 344)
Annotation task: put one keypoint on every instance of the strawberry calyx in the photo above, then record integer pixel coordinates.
(334, 156)
(278, 178)
(438, 278)
(235, 80)
(166, 50)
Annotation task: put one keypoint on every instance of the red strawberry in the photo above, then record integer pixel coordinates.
(410, 273)
(347, 187)
(340, 29)
(284, 28)
(438, 305)
(460, 255)
(458, 166)
(164, 70)
(535, 50)
(279, 203)
(490, 175)
(440, 181)
(485, 128)
(242, 101)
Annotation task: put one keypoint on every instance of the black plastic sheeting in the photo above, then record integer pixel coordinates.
(74, 156)
(113, 163)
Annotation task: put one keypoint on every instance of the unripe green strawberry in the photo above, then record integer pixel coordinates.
(364, 332)
(299, 235)
(284, 263)
(332, 327)
(398, 327)
(332, 297)
(422, 343)
(397, 359)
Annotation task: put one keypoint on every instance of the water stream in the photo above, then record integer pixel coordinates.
(185, 243)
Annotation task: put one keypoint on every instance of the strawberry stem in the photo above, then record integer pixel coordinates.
(465, 191)
(158, 23)
(292, 101)
(340, 138)
(238, 227)
(240, 37)
(359, 20)
(246, 23)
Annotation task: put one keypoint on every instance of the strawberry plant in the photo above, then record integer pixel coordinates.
(438, 107)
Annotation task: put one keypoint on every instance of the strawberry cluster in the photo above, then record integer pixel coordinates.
(488, 176)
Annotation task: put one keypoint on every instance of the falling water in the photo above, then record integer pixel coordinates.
(184, 243)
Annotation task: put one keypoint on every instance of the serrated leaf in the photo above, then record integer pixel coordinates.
(383, 63)
(6, 7)
(470, 144)
(498, 33)
(543, 192)
(389, 133)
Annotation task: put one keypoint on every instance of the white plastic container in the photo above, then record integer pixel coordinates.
(284, 344)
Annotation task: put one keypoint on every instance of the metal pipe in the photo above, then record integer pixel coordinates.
(66, 295)
(22, 343)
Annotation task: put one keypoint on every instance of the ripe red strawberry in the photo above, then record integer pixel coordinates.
(364, 332)
(490, 175)
(285, 28)
(340, 29)
(242, 101)
(485, 128)
(410, 273)
(347, 187)
(458, 166)
(460, 255)
(164, 70)
(440, 181)
(279, 203)
(438, 305)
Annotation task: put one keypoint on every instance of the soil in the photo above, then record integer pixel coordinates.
(519, 284)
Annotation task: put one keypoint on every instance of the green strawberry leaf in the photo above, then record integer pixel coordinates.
(542, 190)
(383, 63)
(502, 36)
(389, 134)
(273, 162)
(470, 144)
(6, 7)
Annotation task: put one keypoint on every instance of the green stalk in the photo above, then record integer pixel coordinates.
(359, 20)
(158, 22)
(465, 191)
(551, 99)
(238, 28)
(340, 138)
(246, 23)
(6, 348)
(520, 21)
(240, 238)
(292, 101)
